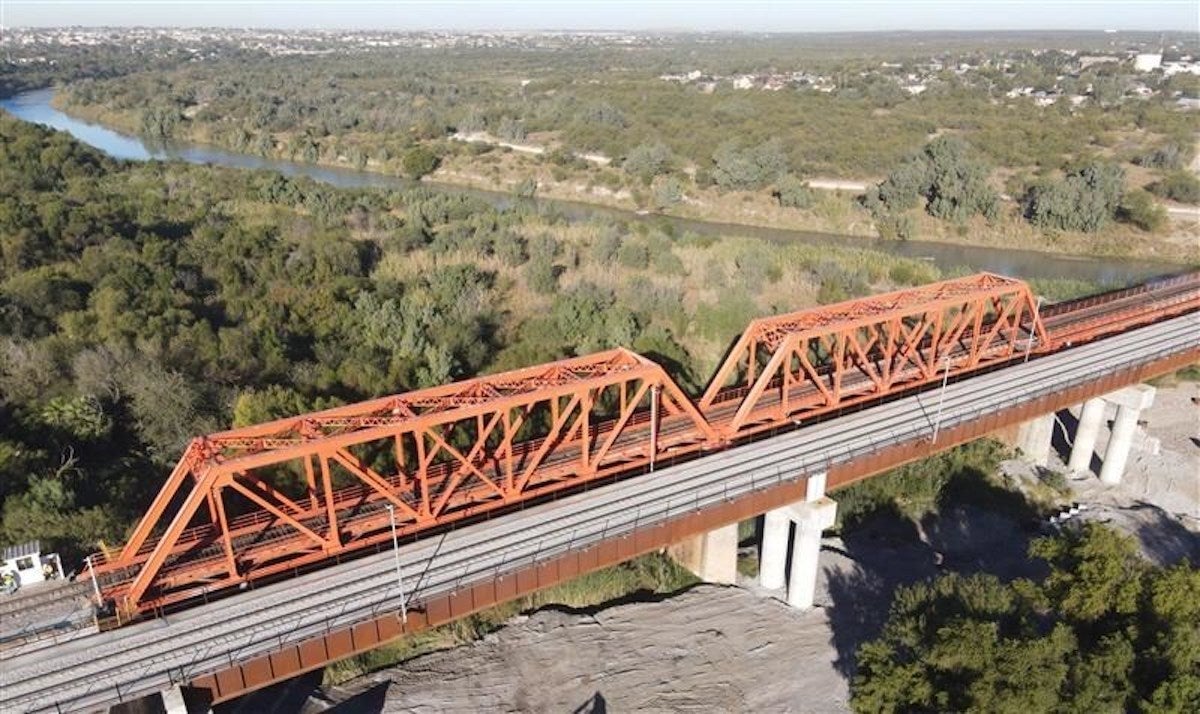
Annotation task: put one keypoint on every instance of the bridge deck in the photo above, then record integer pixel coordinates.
(96, 671)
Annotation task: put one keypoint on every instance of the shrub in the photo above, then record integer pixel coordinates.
(1180, 186)
(1139, 208)
(418, 162)
(792, 192)
(1168, 156)
(743, 169)
(667, 192)
(541, 275)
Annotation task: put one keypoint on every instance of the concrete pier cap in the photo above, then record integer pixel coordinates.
(1137, 397)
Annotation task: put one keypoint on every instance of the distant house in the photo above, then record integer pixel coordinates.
(1147, 62)
(25, 565)
(1181, 67)
(1086, 61)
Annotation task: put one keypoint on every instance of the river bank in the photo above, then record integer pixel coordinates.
(834, 211)
(1002, 257)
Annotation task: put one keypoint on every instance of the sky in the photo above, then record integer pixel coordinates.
(747, 16)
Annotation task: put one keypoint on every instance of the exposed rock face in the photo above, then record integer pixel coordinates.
(710, 648)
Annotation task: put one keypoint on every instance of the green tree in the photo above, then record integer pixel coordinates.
(646, 161)
(1085, 200)
(952, 182)
(1103, 631)
(746, 168)
(418, 162)
(1139, 208)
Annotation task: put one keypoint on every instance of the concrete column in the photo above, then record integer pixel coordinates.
(811, 518)
(772, 559)
(185, 700)
(1091, 417)
(1131, 401)
(814, 486)
(711, 556)
(1034, 437)
(1117, 453)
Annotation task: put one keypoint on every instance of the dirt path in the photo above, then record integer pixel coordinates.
(838, 185)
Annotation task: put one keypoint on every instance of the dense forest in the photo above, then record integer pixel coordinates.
(143, 304)
(364, 109)
(1103, 631)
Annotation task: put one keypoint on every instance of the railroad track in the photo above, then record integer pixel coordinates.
(201, 639)
(363, 520)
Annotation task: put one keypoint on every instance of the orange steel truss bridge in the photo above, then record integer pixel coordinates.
(265, 500)
(509, 483)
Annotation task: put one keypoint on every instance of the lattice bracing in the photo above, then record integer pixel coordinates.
(268, 498)
(794, 366)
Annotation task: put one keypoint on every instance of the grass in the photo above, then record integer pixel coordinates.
(644, 576)
(1190, 373)
(965, 474)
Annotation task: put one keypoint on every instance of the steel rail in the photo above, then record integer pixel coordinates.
(450, 571)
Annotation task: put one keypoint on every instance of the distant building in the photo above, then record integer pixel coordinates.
(1147, 62)
(1086, 61)
(1183, 67)
(25, 565)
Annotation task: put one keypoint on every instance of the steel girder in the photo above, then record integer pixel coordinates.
(319, 485)
(795, 366)
(261, 500)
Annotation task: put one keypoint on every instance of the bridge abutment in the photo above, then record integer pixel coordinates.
(1034, 438)
(811, 517)
(710, 556)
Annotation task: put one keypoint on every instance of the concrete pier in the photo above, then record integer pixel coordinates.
(772, 558)
(1091, 418)
(1130, 403)
(185, 700)
(811, 517)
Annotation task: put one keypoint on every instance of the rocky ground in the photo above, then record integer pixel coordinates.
(713, 648)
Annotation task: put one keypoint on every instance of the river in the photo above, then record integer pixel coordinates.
(35, 106)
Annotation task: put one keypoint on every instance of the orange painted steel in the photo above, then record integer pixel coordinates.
(268, 499)
(318, 485)
(295, 657)
(796, 366)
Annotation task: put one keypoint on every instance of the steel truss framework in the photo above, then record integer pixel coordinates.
(791, 367)
(262, 500)
(319, 485)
